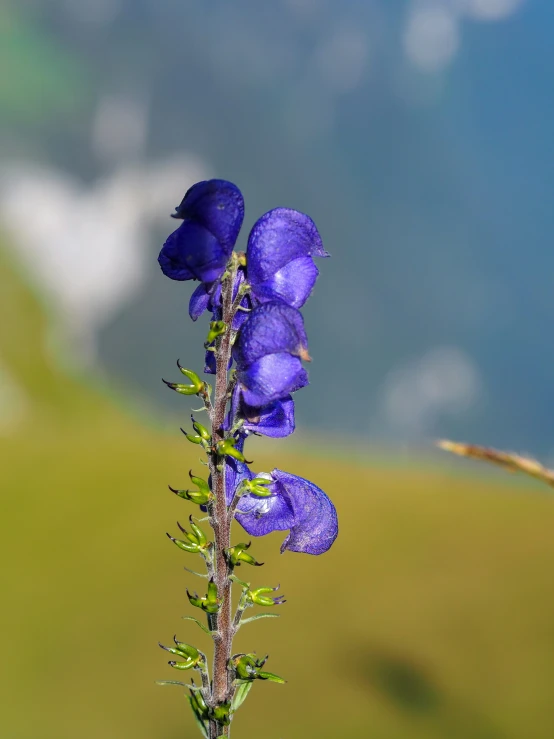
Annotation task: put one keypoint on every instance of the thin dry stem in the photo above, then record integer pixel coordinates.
(508, 460)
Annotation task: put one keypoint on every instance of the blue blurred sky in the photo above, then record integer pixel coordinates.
(417, 134)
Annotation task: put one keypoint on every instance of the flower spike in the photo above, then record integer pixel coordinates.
(255, 347)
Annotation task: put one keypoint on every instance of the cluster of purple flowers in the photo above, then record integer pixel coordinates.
(275, 279)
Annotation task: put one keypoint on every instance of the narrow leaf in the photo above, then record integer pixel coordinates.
(200, 574)
(240, 695)
(257, 617)
(204, 628)
(176, 682)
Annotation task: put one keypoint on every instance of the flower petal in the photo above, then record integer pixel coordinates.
(193, 253)
(235, 473)
(271, 378)
(292, 284)
(218, 206)
(272, 328)
(275, 420)
(296, 504)
(315, 517)
(277, 238)
(261, 516)
(199, 300)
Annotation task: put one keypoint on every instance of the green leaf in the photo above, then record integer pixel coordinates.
(258, 616)
(172, 682)
(240, 695)
(199, 574)
(204, 628)
(201, 724)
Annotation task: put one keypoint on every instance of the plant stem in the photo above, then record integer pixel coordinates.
(221, 518)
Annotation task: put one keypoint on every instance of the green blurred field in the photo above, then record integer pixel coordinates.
(432, 616)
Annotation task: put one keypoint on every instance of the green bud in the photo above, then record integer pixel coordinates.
(187, 650)
(188, 665)
(194, 439)
(198, 533)
(199, 701)
(247, 667)
(217, 328)
(226, 448)
(193, 377)
(212, 592)
(201, 484)
(209, 603)
(257, 487)
(202, 431)
(199, 708)
(186, 546)
(258, 597)
(221, 714)
(270, 676)
(237, 554)
(194, 496)
(182, 389)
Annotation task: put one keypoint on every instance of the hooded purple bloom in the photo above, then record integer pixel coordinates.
(275, 419)
(268, 351)
(212, 212)
(296, 505)
(279, 257)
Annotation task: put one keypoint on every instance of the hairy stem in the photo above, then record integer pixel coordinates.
(221, 518)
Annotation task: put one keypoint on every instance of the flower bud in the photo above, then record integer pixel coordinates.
(258, 597)
(182, 389)
(198, 533)
(193, 439)
(226, 448)
(200, 483)
(187, 650)
(209, 603)
(194, 496)
(247, 667)
(189, 664)
(217, 328)
(237, 554)
(186, 546)
(258, 487)
(198, 705)
(192, 376)
(221, 714)
(202, 431)
(190, 654)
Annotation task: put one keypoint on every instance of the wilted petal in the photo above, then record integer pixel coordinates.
(277, 238)
(271, 378)
(272, 328)
(292, 284)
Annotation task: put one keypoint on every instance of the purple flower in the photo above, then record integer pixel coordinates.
(296, 505)
(212, 212)
(275, 419)
(279, 257)
(268, 353)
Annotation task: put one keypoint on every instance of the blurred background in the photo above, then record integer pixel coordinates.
(417, 134)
